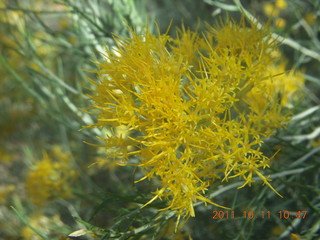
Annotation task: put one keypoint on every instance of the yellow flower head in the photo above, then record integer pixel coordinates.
(50, 178)
(281, 4)
(280, 22)
(49, 226)
(188, 107)
(310, 17)
(270, 10)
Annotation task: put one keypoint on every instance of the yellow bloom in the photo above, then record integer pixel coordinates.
(294, 236)
(270, 10)
(281, 4)
(280, 22)
(189, 108)
(310, 17)
(46, 225)
(50, 179)
(278, 85)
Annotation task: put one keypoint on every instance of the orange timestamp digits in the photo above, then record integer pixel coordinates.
(223, 215)
(244, 214)
(287, 214)
(283, 214)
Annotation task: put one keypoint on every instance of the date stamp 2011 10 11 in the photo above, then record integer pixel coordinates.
(283, 214)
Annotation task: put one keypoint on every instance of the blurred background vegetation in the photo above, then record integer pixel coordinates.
(52, 184)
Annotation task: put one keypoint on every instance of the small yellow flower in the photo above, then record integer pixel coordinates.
(281, 4)
(64, 23)
(46, 225)
(270, 10)
(50, 178)
(310, 17)
(294, 236)
(280, 23)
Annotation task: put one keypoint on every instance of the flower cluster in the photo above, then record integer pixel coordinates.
(194, 109)
(43, 222)
(51, 178)
(274, 10)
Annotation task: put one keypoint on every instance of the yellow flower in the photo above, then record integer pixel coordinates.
(281, 4)
(50, 179)
(270, 10)
(191, 108)
(294, 236)
(46, 225)
(278, 84)
(280, 22)
(310, 17)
